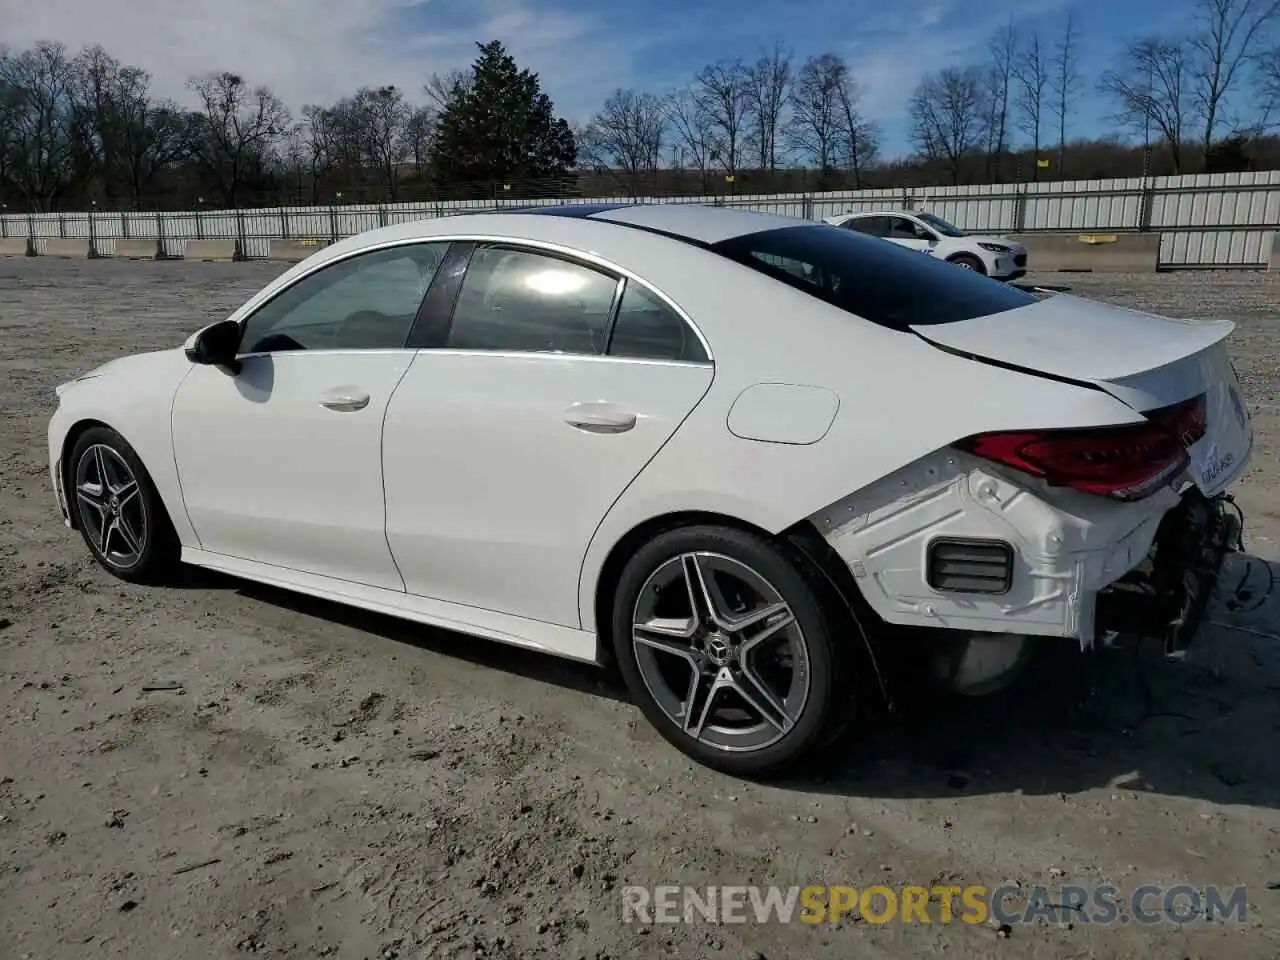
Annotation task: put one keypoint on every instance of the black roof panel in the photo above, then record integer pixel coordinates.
(577, 210)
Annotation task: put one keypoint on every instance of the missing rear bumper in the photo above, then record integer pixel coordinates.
(1166, 596)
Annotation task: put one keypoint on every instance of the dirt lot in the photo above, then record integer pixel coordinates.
(330, 783)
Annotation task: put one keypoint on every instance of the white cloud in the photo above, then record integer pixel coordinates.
(312, 50)
(908, 44)
(315, 51)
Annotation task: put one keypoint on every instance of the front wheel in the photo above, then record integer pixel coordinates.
(726, 646)
(967, 262)
(117, 509)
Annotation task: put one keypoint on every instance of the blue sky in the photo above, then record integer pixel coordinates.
(318, 50)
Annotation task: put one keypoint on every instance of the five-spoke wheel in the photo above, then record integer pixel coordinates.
(725, 644)
(117, 509)
(111, 506)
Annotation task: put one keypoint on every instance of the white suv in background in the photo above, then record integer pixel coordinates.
(997, 257)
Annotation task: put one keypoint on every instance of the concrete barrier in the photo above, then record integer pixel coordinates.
(63, 247)
(209, 250)
(15, 247)
(136, 249)
(292, 251)
(1092, 252)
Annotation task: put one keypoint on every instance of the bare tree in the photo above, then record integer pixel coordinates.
(723, 95)
(1267, 82)
(692, 129)
(1227, 37)
(381, 118)
(1152, 89)
(947, 116)
(815, 109)
(234, 130)
(419, 132)
(627, 133)
(768, 86)
(318, 134)
(132, 136)
(1031, 79)
(39, 83)
(441, 88)
(859, 137)
(1065, 81)
(1003, 49)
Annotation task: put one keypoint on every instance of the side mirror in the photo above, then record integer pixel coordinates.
(216, 346)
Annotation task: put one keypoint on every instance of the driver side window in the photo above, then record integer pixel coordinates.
(366, 302)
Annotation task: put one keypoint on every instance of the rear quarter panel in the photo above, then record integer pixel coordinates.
(899, 399)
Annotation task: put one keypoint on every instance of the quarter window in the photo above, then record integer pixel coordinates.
(365, 302)
(530, 302)
(647, 328)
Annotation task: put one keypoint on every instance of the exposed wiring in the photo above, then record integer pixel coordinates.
(1241, 595)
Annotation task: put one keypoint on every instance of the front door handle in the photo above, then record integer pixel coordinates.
(345, 400)
(599, 416)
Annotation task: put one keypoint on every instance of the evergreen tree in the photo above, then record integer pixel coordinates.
(498, 125)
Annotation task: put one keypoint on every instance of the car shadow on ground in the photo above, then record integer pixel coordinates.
(519, 661)
(1124, 718)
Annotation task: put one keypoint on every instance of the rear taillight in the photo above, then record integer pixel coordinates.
(1125, 463)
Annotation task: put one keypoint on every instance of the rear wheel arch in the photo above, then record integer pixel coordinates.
(625, 548)
(810, 551)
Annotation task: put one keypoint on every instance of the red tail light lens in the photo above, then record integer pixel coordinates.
(1125, 463)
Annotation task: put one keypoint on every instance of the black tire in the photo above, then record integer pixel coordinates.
(968, 262)
(144, 516)
(819, 715)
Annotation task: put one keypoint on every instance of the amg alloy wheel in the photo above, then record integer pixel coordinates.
(725, 645)
(117, 509)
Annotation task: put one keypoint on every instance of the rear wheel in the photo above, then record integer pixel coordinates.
(117, 509)
(726, 646)
(968, 262)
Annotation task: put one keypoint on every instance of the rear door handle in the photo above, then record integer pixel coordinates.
(599, 416)
(345, 400)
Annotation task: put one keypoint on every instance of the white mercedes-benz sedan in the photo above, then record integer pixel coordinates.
(748, 460)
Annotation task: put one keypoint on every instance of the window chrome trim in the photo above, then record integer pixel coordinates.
(261, 299)
(561, 355)
(584, 257)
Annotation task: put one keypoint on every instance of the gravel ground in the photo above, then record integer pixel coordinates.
(330, 783)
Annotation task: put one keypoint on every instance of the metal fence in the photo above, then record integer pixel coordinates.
(1205, 220)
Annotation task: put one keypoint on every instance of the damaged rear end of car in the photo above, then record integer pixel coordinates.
(1084, 532)
(1098, 506)
(1195, 438)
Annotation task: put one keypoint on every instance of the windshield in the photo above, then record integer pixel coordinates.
(881, 282)
(942, 226)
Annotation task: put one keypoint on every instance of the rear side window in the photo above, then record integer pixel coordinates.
(528, 302)
(881, 282)
(648, 329)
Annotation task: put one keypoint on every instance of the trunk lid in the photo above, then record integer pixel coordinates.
(1146, 361)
